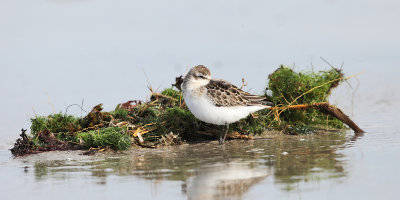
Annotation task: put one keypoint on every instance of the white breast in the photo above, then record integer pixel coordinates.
(204, 110)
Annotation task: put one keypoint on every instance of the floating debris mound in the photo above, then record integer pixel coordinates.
(301, 101)
(165, 120)
(287, 87)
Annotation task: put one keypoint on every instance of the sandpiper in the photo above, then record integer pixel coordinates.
(216, 101)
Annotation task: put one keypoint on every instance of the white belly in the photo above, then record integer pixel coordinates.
(204, 110)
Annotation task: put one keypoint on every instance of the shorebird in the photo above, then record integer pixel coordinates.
(217, 101)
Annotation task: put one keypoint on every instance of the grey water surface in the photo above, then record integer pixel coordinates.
(54, 53)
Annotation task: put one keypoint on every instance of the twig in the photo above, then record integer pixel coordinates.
(244, 84)
(34, 112)
(146, 107)
(353, 95)
(327, 62)
(158, 95)
(147, 78)
(66, 110)
(82, 106)
(51, 104)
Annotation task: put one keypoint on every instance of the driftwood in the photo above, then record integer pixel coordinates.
(327, 109)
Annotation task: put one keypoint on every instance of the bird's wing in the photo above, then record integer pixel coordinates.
(225, 94)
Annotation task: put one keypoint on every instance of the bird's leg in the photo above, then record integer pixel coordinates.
(222, 136)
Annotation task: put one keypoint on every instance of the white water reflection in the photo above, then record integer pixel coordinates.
(224, 181)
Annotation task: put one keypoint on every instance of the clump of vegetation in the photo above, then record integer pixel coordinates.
(113, 137)
(121, 114)
(61, 125)
(287, 87)
(173, 93)
(56, 123)
(165, 119)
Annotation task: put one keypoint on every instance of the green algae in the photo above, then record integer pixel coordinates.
(121, 114)
(113, 137)
(287, 87)
(56, 123)
(171, 92)
(165, 114)
(181, 121)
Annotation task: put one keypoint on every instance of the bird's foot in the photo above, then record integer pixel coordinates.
(221, 139)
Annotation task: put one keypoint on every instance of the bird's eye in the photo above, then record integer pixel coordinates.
(200, 76)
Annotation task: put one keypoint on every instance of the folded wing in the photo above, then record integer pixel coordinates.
(225, 94)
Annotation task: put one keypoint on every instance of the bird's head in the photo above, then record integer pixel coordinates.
(199, 76)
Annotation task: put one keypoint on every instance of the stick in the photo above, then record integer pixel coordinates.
(158, 95)
(325, 108)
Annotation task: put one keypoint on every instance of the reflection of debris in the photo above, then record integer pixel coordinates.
(170, 139)
(230, 135)
(205, 165)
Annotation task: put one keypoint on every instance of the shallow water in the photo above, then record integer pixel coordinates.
(197, 171)
(339, 165)
(54, 53)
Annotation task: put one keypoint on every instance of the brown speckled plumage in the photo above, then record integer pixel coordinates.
(224, 94)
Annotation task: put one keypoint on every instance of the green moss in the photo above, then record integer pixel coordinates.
(288, 87)
(170, 97)
(171, 92)
(255, 124)
(148, 115)
(38, 124)
(179, 121)
(57, 123)
(120, 114)
(36, 142)
(164, 120)
(113, 137)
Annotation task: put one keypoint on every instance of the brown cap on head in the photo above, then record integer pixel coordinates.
(201, 69)
(198, 72)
